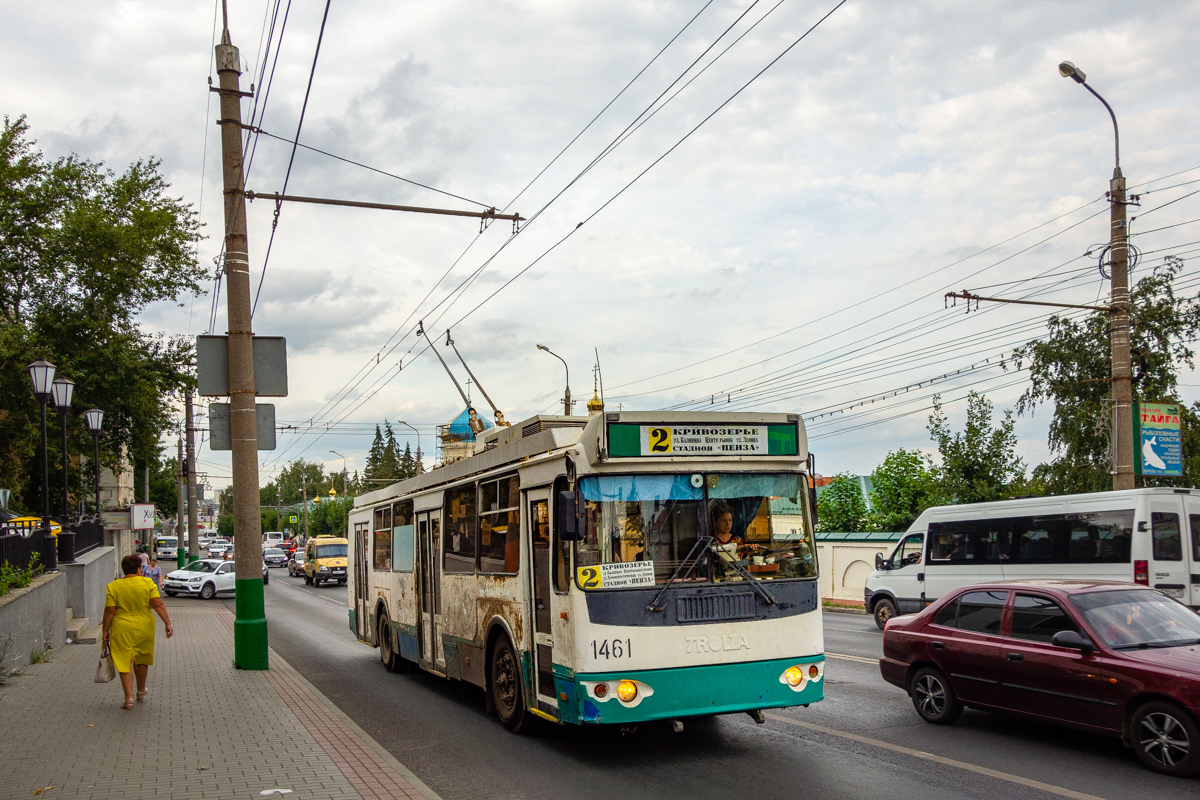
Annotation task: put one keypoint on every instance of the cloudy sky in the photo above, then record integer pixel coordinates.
(775, 240)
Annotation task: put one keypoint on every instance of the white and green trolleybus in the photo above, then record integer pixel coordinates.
(615, 569)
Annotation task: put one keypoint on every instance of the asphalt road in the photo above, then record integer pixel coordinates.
(863, 741)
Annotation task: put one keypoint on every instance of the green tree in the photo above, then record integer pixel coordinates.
(390, 468)
(1069, 369)
(841, 505)
(328, 518)
(83, 251)
(980, 463)
(903, 486)
(375, 459)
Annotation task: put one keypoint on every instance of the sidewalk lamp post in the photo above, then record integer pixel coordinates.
(1122, 371)
(95, 418)
(417, 464)
(63, 391)
(41, 372)
(567, 396)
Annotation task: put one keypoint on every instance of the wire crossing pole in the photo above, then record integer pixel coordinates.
(250, 626)
(193, 519)
(180, 501)
(1122, 368)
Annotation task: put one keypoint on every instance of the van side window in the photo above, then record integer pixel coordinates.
(1077, 538)
(1168, 544)
(981, 611)
(909, 551)
(1038, 618)
(1194, 519)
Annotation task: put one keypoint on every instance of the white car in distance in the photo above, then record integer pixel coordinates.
(206, 578)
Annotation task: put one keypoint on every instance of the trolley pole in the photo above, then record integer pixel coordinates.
(193, 518)
(250, 625)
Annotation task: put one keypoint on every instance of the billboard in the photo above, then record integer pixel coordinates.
(1158, 437)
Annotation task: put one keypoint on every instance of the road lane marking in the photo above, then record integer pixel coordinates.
(319, 596)
(859, 659)
(851, 630)
(949, 762)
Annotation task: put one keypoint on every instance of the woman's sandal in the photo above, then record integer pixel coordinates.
(127, 705)
(142, 695)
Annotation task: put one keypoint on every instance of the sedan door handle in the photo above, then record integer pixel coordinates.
(939, 645)
(1015, 657)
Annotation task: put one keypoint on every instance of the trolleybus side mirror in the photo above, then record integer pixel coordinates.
(812, 503)
(568, 517)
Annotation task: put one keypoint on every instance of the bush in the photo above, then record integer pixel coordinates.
(12, 578)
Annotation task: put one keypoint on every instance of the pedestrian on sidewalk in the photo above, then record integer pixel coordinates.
(153, 572)
(129, 626)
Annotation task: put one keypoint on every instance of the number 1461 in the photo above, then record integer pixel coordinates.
(612, 648)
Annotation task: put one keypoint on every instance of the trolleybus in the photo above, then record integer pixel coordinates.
(615, 569)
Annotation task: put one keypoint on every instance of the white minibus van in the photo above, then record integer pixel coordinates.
(1146, 536)
(272, 538)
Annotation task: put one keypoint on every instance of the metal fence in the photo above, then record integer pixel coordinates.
(89, 534)
(16, 550)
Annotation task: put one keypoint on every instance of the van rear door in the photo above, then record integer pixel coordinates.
(1191, 504)
(1168, 568)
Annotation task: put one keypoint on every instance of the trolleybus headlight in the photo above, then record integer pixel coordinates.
(626, 691)
(795, 676)
(601, 690)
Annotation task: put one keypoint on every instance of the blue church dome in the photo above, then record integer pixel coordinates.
(459, 429)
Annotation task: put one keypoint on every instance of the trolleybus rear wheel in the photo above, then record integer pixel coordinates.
(505, 684)
(392, 661)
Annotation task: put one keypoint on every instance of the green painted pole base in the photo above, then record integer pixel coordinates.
(181, 557)
(250, 626)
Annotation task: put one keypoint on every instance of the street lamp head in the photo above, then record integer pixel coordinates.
(63, 389)
(543, 347)
(1069, 70)
(94, 418)
(41, 372)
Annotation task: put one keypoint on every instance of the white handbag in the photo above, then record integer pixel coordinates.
(106, 670)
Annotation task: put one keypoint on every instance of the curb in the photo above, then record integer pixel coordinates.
(844, 610)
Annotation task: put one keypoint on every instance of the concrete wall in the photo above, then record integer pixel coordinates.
(845, 567)
(87, 579)
(33, 617)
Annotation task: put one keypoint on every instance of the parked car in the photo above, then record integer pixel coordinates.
(1112, 658)
(295, 564)
(274, 557)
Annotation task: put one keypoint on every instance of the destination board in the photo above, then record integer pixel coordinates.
(617, 576)
(702, 441)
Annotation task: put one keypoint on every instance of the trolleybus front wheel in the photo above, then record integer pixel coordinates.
(504, 682)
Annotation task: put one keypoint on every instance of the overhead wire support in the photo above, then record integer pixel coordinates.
(965, 295)
(486, 214)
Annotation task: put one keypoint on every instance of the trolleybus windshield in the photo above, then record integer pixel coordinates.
(638, 529)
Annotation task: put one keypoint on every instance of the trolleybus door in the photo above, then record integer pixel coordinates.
(360, 551)
(430, 580)
(538, 525)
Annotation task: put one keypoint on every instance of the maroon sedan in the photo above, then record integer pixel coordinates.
(1112, 658)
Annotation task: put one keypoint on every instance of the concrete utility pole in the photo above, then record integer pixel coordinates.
(181, 500)
(250, 626)
(193, 545)
(304, 497)
(1118, 254)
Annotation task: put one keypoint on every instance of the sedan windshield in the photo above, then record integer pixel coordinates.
(200, 566)
(649, 524)
(1134, 618)
(273, 551)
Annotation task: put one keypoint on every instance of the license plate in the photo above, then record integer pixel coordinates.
(1176, 593)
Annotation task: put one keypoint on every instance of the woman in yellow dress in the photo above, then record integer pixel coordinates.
(129, 626)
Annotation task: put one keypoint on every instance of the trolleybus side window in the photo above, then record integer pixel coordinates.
(500, 525)
(383, 539)
(1168, 544)
(403, 537)
(460, 518)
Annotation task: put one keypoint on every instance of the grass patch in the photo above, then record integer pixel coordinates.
(13, 578)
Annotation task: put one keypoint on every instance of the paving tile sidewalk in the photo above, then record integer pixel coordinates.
(206, 730)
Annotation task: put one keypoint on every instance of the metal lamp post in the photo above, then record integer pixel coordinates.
(95, 418)
(343, 458)
(418, 433)
(41, 373)
(567, 396)
(1122, 370)
(63, 390)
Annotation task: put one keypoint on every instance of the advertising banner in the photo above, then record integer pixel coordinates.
(1159, 439)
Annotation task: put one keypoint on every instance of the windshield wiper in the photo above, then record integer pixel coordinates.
(1158, 645)
(697, 550)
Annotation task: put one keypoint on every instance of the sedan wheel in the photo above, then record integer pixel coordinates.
(933, 697)
(1166, 739)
